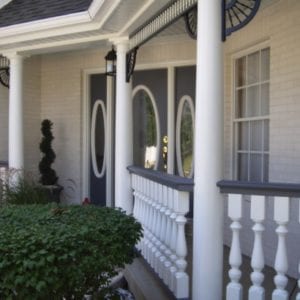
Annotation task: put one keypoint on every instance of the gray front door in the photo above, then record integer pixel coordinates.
(98, 139)
(149, 117)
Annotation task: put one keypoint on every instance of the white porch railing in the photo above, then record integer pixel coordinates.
(281, 194)
(3, 179)
(161, 202)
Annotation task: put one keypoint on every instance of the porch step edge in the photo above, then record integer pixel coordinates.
(144, 283)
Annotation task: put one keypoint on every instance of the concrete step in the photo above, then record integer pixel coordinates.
(144, 283)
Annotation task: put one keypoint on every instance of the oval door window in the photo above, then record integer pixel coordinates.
(185, 137)
(98, 138)
(146, 130)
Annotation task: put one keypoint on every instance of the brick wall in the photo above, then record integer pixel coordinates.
(62, 96)
(3, 123)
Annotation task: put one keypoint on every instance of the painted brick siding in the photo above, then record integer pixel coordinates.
(3, 123)
(62, 89)
(279, 25)
(32, 113)
(31, 106)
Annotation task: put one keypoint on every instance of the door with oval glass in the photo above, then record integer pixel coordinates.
(149, 100)
(98, 139)
(185, 120)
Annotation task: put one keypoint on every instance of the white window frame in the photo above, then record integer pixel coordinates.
(236, 120)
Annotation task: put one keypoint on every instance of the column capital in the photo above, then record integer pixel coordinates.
(13, 55)
(120, 41)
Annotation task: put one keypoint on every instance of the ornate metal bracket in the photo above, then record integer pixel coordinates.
(130, 63)
(190, 19)
(235, 15)
(4, 76)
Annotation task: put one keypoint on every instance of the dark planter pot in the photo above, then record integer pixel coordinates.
(53, 192)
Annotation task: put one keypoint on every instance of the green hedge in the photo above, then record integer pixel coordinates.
(49, 252)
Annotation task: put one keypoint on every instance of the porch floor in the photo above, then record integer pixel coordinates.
(146, 285)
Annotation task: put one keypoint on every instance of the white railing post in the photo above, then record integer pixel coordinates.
(234, 288)
(181, 206)
(257, 292)
(281, 216)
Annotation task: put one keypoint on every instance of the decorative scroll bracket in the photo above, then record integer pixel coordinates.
(130, 63)
(4, 71)
(4, 76)
(190, 19)
(235, 15)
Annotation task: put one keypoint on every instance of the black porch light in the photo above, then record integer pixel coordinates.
(110, 62)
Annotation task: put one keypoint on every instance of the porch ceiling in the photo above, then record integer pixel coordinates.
(104, 21)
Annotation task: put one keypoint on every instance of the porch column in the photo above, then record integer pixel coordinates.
(208, 203)
(15, 131)
(123, 144)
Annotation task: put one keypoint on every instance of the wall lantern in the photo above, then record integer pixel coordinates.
(110, 60)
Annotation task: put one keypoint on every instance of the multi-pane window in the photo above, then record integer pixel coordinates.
(251, 116)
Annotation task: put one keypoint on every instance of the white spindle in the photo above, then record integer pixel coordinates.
(298, 295)
(281, 216)
(181, 206)
(168, 252)
(173, 256)
(163, 230)
(257, 292)
(234, 288)
(158, 243)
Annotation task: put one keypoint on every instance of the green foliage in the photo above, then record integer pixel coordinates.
(48, 175)
(50, 252)
(25, 190)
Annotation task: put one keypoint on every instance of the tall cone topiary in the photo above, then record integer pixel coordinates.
(48, 175)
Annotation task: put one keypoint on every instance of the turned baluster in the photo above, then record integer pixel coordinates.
(168, 264)
(181, 207)
(234, 288)
(281, 217)
(256, 291)
(163, 230)
(173, 256)
(152, 223)
(157, 254)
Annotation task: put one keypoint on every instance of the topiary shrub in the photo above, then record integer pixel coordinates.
(48, 175)
(50, 252)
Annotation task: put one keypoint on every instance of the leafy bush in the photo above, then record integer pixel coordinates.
(50, 252)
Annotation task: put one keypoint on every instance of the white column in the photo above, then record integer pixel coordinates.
(208, 203)
(123, 145)
(16, 133)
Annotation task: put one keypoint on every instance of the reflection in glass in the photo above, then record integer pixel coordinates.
(187, 139)
(98, 131)
(144, 131)
(99, 140)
